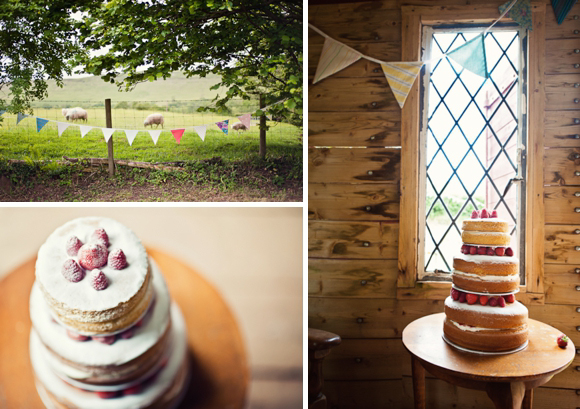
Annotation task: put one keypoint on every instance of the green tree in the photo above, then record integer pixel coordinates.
(254, 45)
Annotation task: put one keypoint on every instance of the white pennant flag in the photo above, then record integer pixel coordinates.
(85, 130)
(131, 134)
(61, 127)
(155, 135)
(201, 131)
(335, 56)
(107, 133)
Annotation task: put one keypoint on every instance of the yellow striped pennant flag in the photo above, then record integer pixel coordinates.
(335, 57)
(401, 76)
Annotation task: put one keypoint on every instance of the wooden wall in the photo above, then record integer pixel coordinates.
(354, 177)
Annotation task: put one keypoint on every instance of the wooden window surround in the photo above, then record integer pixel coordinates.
(414, 18)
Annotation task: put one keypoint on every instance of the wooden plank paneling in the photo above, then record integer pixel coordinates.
(373, 129)
(562, 83)
(562, 202)
(560, 245)
(338, 165)
(561, 57)
(352, 278)
(364, 95)
(560, 284)
(570, 27)
(352, 239)
(568, 378)
(365, 359)
(364, 394)
(560, 128)
(561, 165)
(353, 202)
(558, 101)
(562, 317)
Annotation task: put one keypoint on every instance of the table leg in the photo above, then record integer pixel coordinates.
(528, 397)
(418, 383)
(506, 395)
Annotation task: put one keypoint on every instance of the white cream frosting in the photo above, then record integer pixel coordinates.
(95, 353)
(477, 329)
(475, 258)
(510, 278)
(489, 219)
(88, 400)
(123, 284)
(486, 233)
(516, 308)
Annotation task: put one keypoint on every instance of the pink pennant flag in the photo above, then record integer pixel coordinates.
(246, 120)
(177, 134)
(223, 125)
(334, 57)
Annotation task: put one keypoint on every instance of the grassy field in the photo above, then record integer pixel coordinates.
(22, 141)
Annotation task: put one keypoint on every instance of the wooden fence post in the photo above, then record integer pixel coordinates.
(109, 124)
(262, 129)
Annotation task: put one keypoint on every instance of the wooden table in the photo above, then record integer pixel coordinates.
(508, 379)
(220, 372)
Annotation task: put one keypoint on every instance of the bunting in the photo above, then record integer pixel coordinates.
(334, 57)
(223, 126)
(130, 134)
(471, 56)
(62, 127)
(2, 112)
(40, 122)
(155, 135)
(20, 117)
(246, 120)
(200, 131)
(401, 76)
(85, 130)
(520, 12)
(107, 133)
(177, 134)
(562, 8)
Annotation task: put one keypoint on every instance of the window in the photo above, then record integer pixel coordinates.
(473, 136)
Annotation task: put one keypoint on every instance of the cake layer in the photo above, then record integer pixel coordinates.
(165, 386)
(492, 239)
(485, 284)
(485, 316)
(491, 225)
(483, 339)
(486, 265)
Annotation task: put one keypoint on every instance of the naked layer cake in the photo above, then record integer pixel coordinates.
(105, 333)
(482, 313)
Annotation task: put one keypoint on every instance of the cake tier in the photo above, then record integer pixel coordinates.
(513, 315)
(486, 265)
(78, 304)
(489, 225)
(484, 339)
(485, 284)
(161, 391)
(480, 238)
(98, 363)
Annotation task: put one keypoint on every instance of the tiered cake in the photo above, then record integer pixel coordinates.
(105, 333)
(482, 313)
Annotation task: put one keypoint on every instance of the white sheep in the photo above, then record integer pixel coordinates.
(156, 119)
(75, 114)
(238, 126)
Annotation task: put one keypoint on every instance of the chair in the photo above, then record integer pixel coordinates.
(319, 345)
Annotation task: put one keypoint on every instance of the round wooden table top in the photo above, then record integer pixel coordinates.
(220, 373)
(541, 358)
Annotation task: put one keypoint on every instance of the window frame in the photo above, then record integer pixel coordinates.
(413, 20)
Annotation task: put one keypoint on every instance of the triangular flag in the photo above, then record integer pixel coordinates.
(521, 13)
(471, 56)
(334, 57)
(20, 117)
(131, 134)
(85, 130)
(61, 127)
(40, 122)
(200, 131)
(401, 76)
(155, 135)
(562, 8)
(107, 133)
(177, 134)
(246, 120)
(2, 113)
(223, 125)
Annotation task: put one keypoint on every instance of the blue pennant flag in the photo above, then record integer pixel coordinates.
(2, 113)
(562, 8)
(471, 56)
(20, 117)
(40, 122)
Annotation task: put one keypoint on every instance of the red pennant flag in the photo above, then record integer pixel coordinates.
(177, 134)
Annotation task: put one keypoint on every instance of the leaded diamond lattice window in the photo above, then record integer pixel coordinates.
(473, 130)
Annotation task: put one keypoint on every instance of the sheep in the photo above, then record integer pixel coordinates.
(238, 126)
(156, 119)
(74, 114)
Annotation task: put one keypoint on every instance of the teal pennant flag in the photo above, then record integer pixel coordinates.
(20, 117)
(562, 8)
(40, 122)
(521, 13)
(471, 56)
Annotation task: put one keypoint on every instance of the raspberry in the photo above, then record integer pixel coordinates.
(100, 236)
(471, 299)
(93, 255)
(509, 252)
(73, 245)
(455, 294)
(107, 394)
(484, 214)
(562, 341)
(475, 214)
(472, 250)
(139, 323)
(77, 337)
(72, 271)
(117, 259)
(133, 390)
(500, 251)
(127, 334)
(481, 251)
(464, 249)
(493, 214)
(510, 298)
(99, 280)
(501, 302)
(107, 339)
(462, 297)
(490, 251)
(492, 301)
(483, 299)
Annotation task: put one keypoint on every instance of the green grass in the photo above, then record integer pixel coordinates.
(22, 141)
